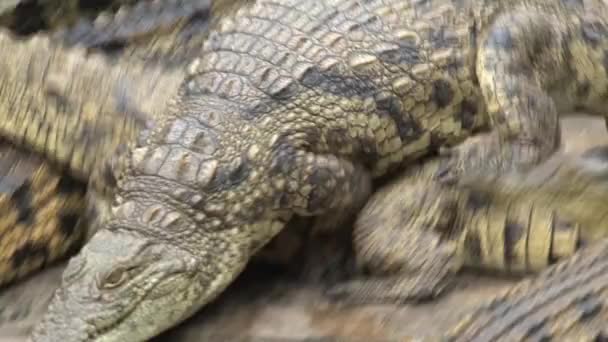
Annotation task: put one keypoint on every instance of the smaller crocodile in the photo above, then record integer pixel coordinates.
(415, 233)
(294, 108)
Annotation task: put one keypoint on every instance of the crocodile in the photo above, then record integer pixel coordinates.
(415, 234)
(296, 108)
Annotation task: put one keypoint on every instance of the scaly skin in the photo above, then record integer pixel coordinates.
(29, 16)
(54, 94)
(54, 241)
(566, 302)
(167, 46)
(293, 108)
(45, 231)
(41, 210)
(146, 19)
(76, 110)
(416, 233)
(168, 43)
(84, 100)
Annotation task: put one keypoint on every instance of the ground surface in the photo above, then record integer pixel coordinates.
(266, 306)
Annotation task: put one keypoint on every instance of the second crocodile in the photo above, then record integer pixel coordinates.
(293, 108)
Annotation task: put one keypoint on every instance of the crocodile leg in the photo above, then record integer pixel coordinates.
(420, 276)
(415, 234)
(387, 241)
(333, 185)
(520, 103)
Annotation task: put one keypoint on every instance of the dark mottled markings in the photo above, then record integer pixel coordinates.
(442, 37)
(332, 82)
(108, 176)
(319, 195)
(284, 159)
(477, 200)
(407, 53)
(446, 226)
(337, 137)
(562, 225)
(602, 336)
(408, 128)
(365, 149)
(239, 171)
(229, 176)
(29, 251)
(442, 93)
(590, 305)
(336, 83)
(61, 101)
(539, 331)
(583, 89)
(472, 244)
(68, 185)
(437, 141)
(67, 223)
(593, 32)
(512, 234)
(467, 114)
(22, 198)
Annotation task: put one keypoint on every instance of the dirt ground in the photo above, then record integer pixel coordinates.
(267, 306)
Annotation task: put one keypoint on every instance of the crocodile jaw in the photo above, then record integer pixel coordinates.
(163, 286)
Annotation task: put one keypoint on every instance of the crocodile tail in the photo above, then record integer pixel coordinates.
(130, 22)
(40, 212)
(518, 236)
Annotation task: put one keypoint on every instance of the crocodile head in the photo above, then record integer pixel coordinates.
(125, 285)
(155, 261)
(121, 287)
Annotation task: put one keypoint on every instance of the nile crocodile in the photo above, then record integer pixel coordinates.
(294, 107)
(414, 234)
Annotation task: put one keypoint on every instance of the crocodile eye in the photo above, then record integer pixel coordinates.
(113, 279)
